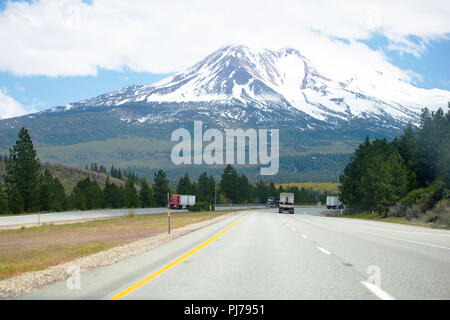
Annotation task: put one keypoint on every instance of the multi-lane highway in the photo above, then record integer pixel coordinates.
(260, 254)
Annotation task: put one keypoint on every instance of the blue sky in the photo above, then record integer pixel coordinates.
(45, 92)
(56, 52)
(433, 65)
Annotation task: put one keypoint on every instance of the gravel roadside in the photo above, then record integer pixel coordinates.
(30, 281)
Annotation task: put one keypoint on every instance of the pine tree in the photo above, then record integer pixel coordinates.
(45, 194)
(262, 193)
(243, 189)
(22, 173)
(87, 195)
(229, 183)
(58, 196)
(131, 195)
(392, 183)
(205, 188)
(15, 201)
(184, 185)
(3, 203)
(113, 195)
(145, 195)
(160, 188)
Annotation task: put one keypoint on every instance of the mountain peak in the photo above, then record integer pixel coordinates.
(240, 76)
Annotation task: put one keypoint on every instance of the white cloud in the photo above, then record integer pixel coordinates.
(11, 108)
(69, 37)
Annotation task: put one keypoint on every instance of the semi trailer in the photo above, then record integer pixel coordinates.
(333, 202)
(286, 203)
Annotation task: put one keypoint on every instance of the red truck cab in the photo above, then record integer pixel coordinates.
(174, 201)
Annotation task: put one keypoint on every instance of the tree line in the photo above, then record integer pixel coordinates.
(409, 176)
(29, 189)
(113, 172)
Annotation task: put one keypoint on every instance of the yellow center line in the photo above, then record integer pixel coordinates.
(172, 264)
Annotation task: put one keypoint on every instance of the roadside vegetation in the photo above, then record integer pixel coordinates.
(37, 248)
(401, 220)
(407, 178)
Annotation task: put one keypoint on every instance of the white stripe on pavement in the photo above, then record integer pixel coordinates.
(324, 250)
(376, 290)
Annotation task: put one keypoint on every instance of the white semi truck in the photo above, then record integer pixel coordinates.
(286, 203)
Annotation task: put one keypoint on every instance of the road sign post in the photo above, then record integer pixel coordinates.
(168, 213)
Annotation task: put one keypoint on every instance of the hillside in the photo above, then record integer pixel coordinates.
(69, 176)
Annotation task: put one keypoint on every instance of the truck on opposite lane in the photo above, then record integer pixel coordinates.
(181, 201)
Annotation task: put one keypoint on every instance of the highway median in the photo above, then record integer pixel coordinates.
(34, 257)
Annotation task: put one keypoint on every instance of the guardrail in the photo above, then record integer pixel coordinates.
(239, 206)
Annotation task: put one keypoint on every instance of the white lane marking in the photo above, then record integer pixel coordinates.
(324, 250)
(371, 225)
(376, 290)
(304, 236)
(346, 228)
(404, 231)
(406, 240)
(293, 229)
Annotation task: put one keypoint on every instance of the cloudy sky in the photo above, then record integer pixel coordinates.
(53, 52)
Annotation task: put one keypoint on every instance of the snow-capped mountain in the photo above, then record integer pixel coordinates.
(236, 87)
(241, 83)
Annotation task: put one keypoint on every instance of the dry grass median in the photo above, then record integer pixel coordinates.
(37, 248)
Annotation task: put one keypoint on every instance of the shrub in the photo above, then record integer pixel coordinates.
(200, 206)
(440, 214)
(397, 211)
(412, 197)
(413, 212)
(131, 214)
(422, 203)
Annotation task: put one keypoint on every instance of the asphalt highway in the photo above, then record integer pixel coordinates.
(260, 254)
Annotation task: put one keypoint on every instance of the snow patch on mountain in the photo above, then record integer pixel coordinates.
(239, 76)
